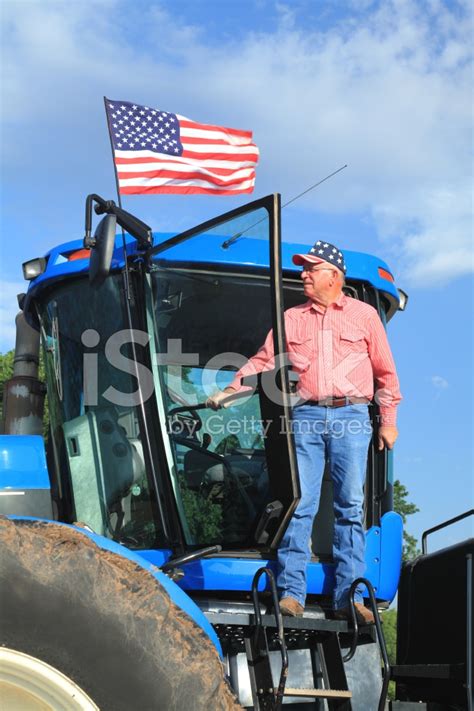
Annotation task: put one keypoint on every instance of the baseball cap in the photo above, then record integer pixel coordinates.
(322, 252)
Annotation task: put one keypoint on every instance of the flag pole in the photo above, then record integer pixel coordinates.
(119, 200)
(113, 154)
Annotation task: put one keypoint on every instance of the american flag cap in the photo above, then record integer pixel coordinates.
(322, 252)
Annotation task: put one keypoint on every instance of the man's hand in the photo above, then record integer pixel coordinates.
(215, 401)
(387, 436)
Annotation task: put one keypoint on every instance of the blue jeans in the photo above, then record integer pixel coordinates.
(341, 436)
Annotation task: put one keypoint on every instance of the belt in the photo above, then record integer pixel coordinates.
(337, 401)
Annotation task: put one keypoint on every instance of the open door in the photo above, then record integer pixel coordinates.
(213, 294)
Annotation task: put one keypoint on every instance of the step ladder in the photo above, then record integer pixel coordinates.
(260, 634)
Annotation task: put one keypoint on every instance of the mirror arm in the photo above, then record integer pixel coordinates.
(130, 223)
(89, 241)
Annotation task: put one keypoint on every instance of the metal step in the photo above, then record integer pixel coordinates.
(313, 624)
(319, 693)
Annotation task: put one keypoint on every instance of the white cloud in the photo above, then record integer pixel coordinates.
(439, 382)
(388, 91)
(8, 310)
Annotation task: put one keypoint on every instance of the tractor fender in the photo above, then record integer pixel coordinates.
(112, 623)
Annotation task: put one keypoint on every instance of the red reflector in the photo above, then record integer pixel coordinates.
(385, 274)
(80, 254)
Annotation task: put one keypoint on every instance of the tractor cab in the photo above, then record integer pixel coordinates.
(131, 357)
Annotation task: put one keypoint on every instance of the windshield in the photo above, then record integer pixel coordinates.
(205, 327)
(95, 424)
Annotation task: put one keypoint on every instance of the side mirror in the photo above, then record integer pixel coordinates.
(403, 300)
(102, 250)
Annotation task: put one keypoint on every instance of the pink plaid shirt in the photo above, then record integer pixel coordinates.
(338, 351)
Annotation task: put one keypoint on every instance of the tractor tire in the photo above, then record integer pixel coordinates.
(102, 622)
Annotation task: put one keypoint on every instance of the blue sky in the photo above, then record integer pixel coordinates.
(382, 86)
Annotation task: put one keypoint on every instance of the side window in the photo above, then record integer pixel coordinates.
(98, 448)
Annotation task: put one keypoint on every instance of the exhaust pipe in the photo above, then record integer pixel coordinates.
(24, 394)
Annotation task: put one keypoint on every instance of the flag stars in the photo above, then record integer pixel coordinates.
(140, 127)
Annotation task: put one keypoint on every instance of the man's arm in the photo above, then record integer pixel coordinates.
(388, 389)
(262, 360)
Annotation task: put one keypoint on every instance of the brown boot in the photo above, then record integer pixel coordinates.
(290, 606)
(364, 616)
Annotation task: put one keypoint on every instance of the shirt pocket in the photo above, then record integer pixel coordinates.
(352, 340)
(301, 353)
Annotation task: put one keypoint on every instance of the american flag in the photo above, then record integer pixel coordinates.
(159, 152)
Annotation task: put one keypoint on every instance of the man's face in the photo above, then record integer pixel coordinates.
(319, 280)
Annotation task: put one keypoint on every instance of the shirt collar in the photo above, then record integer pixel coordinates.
(339, 303)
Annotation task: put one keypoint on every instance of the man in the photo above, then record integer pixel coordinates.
(339, 347)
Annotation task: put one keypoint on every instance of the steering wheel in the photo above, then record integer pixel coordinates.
(191, 409)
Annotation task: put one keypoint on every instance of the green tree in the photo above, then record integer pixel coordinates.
(405, 508)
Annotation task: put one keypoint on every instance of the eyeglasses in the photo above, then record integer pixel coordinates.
(313, 269)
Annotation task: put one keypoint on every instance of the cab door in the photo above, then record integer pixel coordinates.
(214, 294)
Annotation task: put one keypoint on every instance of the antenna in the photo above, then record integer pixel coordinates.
(238, 235)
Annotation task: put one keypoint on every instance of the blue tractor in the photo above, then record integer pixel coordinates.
(138, 539)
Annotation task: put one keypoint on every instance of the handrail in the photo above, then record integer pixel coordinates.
(424, 548)
(279, 625)
(380, 637)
